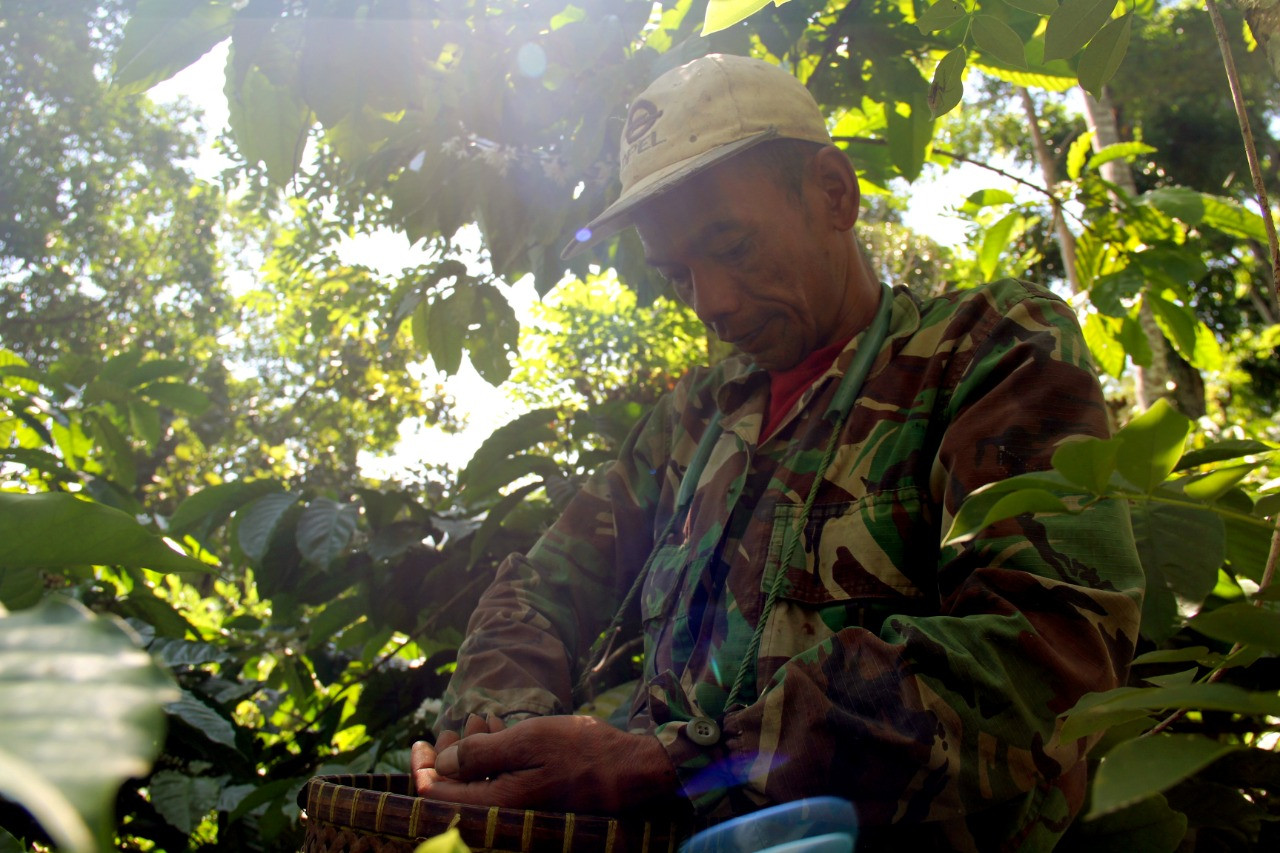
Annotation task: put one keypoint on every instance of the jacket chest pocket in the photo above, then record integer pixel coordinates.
(846, 568)
(668, 641)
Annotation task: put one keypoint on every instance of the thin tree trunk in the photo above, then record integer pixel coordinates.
(1066, 240)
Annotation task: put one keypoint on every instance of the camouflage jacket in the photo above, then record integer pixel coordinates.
(922, 682)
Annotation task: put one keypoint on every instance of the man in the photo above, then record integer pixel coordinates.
(775, 525)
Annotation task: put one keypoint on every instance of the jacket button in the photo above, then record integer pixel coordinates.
(703, 731)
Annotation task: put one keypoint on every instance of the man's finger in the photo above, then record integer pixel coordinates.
(476, 724)
(446, 740)
(421, 755)
(479, 756)
(482, 793)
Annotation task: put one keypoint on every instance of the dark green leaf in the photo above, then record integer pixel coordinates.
(1140, 768)
(522, 434)
(1073, 24)
(447, 327)
(20, 587)
(183, 800)
(1110, 292)
(1178, 202)
(1241, 623)
(325, 529)
(1148, 826)
(494, 518)
(175, 652)
(57, 530)
(420, 326)
(145, 421)
(79, 714)
(991, 503)
(1151, 445)
(162, 37)
(1248, 543)
(203, 719)
(1181, 549)
(1101, 59)
(1222, 450)
(1214, 484)
(909, 135)
(156, 368)
(997, 39)
(258, 522)
(939, 16)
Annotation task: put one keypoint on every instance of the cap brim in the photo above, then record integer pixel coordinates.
(617, 216)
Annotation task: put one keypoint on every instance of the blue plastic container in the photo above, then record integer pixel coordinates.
(815, 825)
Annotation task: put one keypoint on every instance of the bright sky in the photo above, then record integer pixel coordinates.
(485, 407)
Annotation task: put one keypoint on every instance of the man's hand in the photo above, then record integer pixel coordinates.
(422, 757)
(566, 763)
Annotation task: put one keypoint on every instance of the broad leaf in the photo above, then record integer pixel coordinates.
(1241, 623)
(909, 134)
(1181, 549)
(947, 87)
(722, 14)
(1140, 768)
(517, 436)
(1151, 445)
(1101, 334)
(1035, 492)
(1088, 462)
(1038, 7)
(324, 530)
(1102, 58)
(995, 243)
(258, 521)
(178, 396)
(79, 714)
(58, 530)
(939, 16)
(1119, 150)
(183, 800)
(1148, 826)
(269, 122)
(210, 507)
(997, 39)
(1214, 484)
(203, 719)
(1222, 450)
(162, 37)
(1078, 153)
(986, 198)
(1073, 24)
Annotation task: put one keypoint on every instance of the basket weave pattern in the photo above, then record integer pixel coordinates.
(383, 814)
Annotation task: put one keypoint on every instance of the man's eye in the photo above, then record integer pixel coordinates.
(735, 253)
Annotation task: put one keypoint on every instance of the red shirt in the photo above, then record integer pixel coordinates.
(787, 386)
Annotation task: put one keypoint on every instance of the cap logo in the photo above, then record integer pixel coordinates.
(640, 120)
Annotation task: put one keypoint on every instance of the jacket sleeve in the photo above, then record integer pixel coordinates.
(536, 622)
(940, 717)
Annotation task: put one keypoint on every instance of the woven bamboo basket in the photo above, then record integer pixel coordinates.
(382, 814)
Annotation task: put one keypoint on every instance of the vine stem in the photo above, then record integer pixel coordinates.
(1251, 153)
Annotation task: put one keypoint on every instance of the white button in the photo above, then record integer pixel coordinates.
(703, 731)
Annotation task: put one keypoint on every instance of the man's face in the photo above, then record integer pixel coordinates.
(762, 268)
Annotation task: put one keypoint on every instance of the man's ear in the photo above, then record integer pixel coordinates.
(838, 182)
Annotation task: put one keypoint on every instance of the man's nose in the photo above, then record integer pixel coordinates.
(715, 296)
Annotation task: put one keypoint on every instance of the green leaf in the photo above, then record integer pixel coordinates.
(1038, 7)
(497, 337)
(1088, 462)
(939, 16)
(908, 135)
(1241, 623)
(995, 242)
(156, 368)
(1230, 217)
(269, 122)
(57, 530)
(1102, 58)
(178, 396)
(1140, 768)
(162, 37)
(258, 522)
(1181, 549)
(1214, 484)
(1148, 826)
(325, 529)
(986, 198)
(1073, 24)
(183, 800)
(1178, 202)
(494, 517)
(145, 421)
(203, 719)
(1118, 151)
(1151, 445)
(451, 841)
(722, 14)
(947, 87)
(79, 714)
(1077, 154)
(1101, 334)
(522, 434)
(447, 327)
(1034, 492)
(206, 509)
(997, 39)
(420, 326)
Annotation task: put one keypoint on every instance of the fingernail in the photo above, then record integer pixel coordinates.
(447, 762)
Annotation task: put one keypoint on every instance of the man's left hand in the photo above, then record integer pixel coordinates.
(565, 763)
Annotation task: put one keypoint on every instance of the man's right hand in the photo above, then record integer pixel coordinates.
(422, 759)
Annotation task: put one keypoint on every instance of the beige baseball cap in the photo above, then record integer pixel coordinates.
(696, 116)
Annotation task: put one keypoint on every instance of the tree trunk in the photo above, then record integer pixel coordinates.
(1066, 240)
